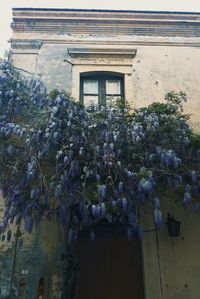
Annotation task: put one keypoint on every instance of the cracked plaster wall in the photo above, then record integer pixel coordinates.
(27, 259)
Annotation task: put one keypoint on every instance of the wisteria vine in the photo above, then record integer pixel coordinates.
(84, 164)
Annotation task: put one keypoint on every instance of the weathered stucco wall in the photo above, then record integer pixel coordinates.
(48, 64)
(172, 264)
(52, 68)
(26, 259)
(157, 70)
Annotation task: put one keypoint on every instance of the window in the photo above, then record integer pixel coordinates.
(101, 89)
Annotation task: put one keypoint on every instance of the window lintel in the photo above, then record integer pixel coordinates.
(91, 52)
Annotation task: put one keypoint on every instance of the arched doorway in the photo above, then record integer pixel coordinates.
(110, 267)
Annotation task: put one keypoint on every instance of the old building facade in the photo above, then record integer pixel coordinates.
(96, 55)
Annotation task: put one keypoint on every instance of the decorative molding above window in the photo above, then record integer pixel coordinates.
(96, 56)
(77, 52)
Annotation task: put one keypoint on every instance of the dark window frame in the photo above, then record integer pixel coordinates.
(101, 77)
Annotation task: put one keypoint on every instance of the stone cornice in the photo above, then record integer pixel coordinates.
(134, 42)
(106, 22)
(28, 45)
(103, 14)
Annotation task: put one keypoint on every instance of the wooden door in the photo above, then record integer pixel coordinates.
(110, 268)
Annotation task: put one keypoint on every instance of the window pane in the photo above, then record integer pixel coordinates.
(113, 87)
(90, 86)
(90, 100)
(110, 100)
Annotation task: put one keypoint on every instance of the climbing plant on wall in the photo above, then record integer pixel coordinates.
(83, 164)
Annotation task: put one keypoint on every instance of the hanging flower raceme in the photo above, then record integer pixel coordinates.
(187, 199)
(158, 218)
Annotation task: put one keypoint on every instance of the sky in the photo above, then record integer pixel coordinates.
(157, 5)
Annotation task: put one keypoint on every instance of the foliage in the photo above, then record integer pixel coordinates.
(85, 164)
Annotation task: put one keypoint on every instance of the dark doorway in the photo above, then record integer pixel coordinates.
(40, 294)
(109, 268)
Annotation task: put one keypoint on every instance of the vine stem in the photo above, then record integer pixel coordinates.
(14, 259)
